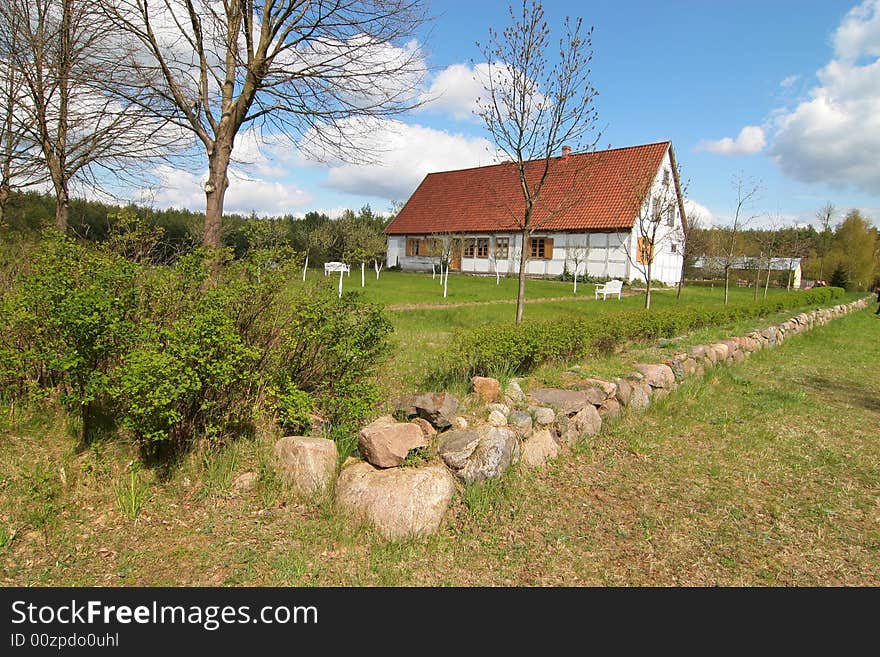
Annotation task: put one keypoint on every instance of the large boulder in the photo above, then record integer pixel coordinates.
(640, 399)
(456, 447)
(497, 450)
(386, 445)
(486, 388)
(400, 503)
(308, 464)
(438, 408)
(568, 402)
(657, 376)
(539, 448)
(497, 419)
(588, 421)
(624, 391)
(610, 409)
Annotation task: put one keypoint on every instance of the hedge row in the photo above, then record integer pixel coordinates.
(518, 348)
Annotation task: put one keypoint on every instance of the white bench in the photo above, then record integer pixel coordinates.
(330, 267)
(611, 287)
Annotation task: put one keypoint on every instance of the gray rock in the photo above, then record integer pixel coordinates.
(460, 423)
(308, 464)
(438, 408)
(624, 391)
(588, 421)
(640, 399)
(497, 419)
(386, 445)
(520, 422)
(568, 402)
(610, 409)
(657, 376)
(456, 447)
(501, 408)
(400, 503)
(544, 415)
(539, 448)
(497, 451)
(515, 393)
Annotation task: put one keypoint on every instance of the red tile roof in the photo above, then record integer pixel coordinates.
(586, 191)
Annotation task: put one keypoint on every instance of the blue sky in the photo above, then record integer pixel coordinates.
(784, 92)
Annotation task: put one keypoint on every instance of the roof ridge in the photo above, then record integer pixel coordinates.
(554, 157)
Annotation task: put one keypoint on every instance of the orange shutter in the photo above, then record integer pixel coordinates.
(645, 251)
(408, 251)
(548, 248)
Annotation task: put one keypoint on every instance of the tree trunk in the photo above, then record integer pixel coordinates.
(215, 190)
(575, 280)
(726, 285)
(445, 278)
(680, 278)
(340, 283)
(757, 279)
(648, 290)
(363, 281)
(378, 268)
(433, 271)
(521, 290)
(5, 193)
(305, 266)
(62, 203)
(767, 282)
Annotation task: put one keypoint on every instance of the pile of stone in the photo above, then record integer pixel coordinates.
(403, 497)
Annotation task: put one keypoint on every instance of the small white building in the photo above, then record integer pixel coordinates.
(749, 264)
(587, 217)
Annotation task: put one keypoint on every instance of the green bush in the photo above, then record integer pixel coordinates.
(521, 348)
(194, 350)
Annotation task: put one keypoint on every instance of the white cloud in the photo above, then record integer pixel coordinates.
(789, 81)
(750, 140)
(405, 154)
(833, 136)
(183, 189)
(693, 209)
(455, 90)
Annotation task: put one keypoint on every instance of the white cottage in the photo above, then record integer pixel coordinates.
(586, 218)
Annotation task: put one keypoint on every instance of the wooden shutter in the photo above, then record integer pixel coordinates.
(645, 253)
(408, 251)
(548, 248)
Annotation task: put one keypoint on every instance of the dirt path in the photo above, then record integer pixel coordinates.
(461, 304)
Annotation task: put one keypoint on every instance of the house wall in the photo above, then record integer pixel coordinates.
(599, 254)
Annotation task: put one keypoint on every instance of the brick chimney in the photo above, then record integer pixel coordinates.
(566, 151)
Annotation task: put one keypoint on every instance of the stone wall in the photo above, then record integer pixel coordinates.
(413, 462)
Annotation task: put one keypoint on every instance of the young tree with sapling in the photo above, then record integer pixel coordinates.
(320, 74)
(658, 208)
(825, 218)
(730, 237)
(576, 253)
(537, 100)
(688, 239)
(68, 60)
(769, 241)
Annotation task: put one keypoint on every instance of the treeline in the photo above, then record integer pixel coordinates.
(354, 236)
(846, 254)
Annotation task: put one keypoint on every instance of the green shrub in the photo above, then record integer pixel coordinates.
(520, 348)
(190, 351)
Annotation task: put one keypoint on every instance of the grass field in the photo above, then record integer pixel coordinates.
(764, 473)
(422, 334)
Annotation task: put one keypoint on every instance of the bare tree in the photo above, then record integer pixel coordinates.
(769, 241)
(316, 72)
(577, 253)
(535, 105)
(825, 217)
(655, 224)
(685, 240)
(730, 241)
(69, 60)
(18, 168)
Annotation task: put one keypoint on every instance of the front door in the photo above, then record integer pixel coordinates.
(455, 261)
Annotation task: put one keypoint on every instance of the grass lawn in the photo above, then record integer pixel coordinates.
(421, 335)
(764, 473)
